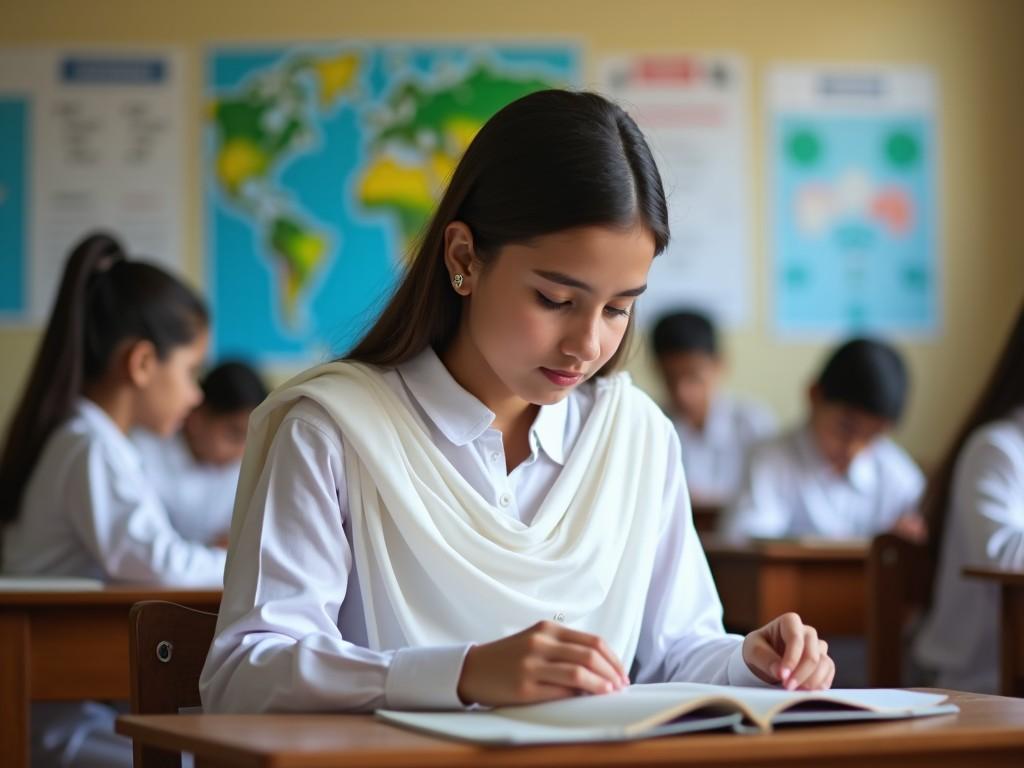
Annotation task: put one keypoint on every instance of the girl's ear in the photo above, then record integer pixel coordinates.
(460, 258)
(140, 360)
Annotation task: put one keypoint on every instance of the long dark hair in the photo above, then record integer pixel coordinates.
(547, 162)
(104, 299)
(1002, 394)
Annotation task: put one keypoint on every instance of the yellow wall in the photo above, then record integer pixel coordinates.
(974, 46)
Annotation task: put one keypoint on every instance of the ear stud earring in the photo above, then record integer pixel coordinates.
(457, 281)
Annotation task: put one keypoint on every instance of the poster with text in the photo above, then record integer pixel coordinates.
(89, 139)
(692, 109)
(853, 196)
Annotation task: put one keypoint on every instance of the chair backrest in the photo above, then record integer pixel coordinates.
(898, 584)
(168, 644)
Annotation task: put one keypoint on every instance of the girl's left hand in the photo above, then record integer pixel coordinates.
(787, 651)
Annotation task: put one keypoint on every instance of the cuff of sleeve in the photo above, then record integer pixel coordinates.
(425, 677)
(740, 674)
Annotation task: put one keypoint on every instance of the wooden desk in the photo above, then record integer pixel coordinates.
(825, 583)
(1011, 643)
(68, 646)
(988, 731)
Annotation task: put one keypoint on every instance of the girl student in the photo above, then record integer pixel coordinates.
(120, 351)
(471, 507)
(974, 505)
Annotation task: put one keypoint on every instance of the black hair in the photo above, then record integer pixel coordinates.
(232, 387)
(867, 374)
(550, 161)
(103, 300)
(684, 331)
(1002, 393)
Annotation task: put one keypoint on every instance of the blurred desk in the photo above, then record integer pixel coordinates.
(1011, 643)
(988, 731)
(68, 645)
(823, 581)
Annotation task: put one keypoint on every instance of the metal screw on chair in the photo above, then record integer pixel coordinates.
(164, 651)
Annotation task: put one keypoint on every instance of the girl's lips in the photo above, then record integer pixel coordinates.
(561, 378)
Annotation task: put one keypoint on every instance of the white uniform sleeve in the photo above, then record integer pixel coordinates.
(989, 495)
(682, 638)
(279, 646)
(127, 531)
(763, 506)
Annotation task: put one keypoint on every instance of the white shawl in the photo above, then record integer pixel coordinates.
(438, 564)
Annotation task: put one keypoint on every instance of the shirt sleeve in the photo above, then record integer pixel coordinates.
(279, 646)
(682, 637)
(763, 507)
(128, 532)
(989, 495)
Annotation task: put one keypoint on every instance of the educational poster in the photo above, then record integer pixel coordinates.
(323, 164)
(853, 200)
(693, 110)
(90, 139)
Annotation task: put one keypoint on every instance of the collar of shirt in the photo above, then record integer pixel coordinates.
(100, 424)
(462, 418)
(861, 475)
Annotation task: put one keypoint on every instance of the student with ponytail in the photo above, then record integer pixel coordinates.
(974, 505)
(472, 507)
(120, 351)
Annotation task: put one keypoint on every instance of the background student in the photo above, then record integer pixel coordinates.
(975, 508)
(716, 429)
(471, 508)
(195, 471)
(120, 351)
(838, 475)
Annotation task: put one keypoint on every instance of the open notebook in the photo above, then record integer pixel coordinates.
(48, 584)
(641, 711)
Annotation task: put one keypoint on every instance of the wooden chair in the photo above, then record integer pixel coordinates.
(168, 644)
(898, 585)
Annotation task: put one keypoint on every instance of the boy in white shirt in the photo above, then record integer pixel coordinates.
(195, 471)
(716, 430)
(838, 475)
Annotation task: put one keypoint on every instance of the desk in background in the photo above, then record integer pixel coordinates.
(826, 583)
(1011, 621)
(71, 645)
(989, 731)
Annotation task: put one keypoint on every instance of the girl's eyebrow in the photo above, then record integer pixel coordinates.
(572, 282)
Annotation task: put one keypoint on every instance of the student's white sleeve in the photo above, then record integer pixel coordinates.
(763, 506)
(681, 637)
(989, 493)
(910, 483)
(128, 532)
(279, 647)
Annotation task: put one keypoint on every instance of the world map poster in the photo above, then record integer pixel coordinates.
(323, 165)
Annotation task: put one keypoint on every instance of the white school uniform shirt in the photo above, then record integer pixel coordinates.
(715, 457)
(198, 497)
(791, 490)
(985, 527)
(88, 510)
(303, 643)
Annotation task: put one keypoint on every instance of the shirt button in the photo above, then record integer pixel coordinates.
(495, 456)
(505, 499)
(559, 617)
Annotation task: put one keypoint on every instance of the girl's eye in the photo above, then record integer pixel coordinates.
(550, 303)
(617, 312)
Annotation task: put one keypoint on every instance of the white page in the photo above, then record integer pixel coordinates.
(48, 584)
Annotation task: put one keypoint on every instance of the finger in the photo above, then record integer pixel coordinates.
(808, 662)
(591, 658)
(588, 640)
(533, 692)
(821, 678)
(572, 676)
(792, 634)
(760, 656)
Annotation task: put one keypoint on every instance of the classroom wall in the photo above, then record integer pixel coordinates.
(974, 46)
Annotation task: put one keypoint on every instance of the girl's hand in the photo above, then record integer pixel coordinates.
(787, 651)
(544, 662)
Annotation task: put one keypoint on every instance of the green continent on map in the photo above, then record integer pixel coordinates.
(259, 127)
(431, 127)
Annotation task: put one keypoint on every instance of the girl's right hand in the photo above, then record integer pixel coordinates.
(543, 662)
